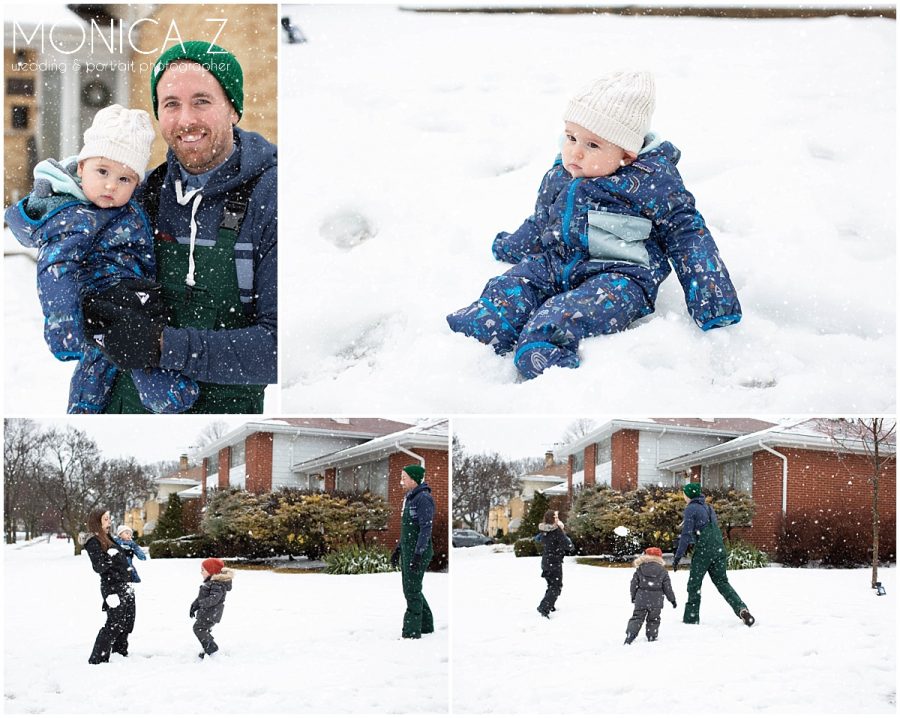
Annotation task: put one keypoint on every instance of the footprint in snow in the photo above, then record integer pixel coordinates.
(347, 229)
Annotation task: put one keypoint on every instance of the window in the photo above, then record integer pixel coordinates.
(372, 477)
(212, 464)
(239, 454)
(604, 452)
(19, 117)
(737, 474)
(579, 462)
(20, 86)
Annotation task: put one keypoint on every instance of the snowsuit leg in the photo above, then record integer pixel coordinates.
(507, 302)
(418, 618)
(654, 617)
(91, 383)
(164, 391)
(203, 631)
(637, 620)
(709, 557)
(554, 580)
(113, 637)
(602, 304)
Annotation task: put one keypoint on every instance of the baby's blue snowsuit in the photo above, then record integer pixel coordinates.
(590, 261)
(84, 249)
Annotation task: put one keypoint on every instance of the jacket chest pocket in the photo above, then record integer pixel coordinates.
(618, 238)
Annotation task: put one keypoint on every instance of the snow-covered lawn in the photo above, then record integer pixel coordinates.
(823, 643)
(409, 140)
(289, 643)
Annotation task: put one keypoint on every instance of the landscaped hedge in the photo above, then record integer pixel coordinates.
(527, 547)
(836, 538)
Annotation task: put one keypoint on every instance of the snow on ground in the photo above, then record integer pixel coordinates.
(823, 643)
(289, 643)
(410, 139)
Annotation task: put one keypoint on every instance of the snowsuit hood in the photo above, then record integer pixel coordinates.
(645, 558)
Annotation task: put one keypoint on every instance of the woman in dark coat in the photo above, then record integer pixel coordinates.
(111, 562)
(556, 545)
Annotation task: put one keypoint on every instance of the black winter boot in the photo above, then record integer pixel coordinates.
(629, 637)
(747, 618)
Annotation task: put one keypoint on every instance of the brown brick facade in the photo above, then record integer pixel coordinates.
(590, 465)
(624, 450)
(258, 449)
(816, 480)
(330, 481)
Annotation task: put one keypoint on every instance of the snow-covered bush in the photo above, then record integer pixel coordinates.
(829, 537)
(355, 560)
(744, 555)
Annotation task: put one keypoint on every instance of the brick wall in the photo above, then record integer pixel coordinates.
(570, 475)
(624, 449)
(224, 466)
(437, 475)
(259, 462)
(816, 480)
(590, 465)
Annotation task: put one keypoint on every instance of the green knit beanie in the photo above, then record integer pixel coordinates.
(415, 472)
(217, 60)
(693, 490)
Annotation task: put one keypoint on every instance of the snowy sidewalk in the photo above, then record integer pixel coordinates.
(823, 643)
(289, 643)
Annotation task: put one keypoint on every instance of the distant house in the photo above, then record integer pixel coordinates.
(784, 468)
(143, 519)
(507, 517)
(334, 455)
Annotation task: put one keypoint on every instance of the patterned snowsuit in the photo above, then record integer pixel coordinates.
(84, 249)
(590, 261)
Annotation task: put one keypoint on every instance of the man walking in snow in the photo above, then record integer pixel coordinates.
(701, 528)
(415, 549)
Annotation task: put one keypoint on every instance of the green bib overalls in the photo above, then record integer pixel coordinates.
(709, 557)
(417, 619)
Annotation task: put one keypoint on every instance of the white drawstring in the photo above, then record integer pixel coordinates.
(183, 198)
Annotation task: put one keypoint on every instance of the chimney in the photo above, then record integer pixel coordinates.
(183, 462)
(548, 459)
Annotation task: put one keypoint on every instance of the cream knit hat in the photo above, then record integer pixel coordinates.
(120, 135)
(616, 107)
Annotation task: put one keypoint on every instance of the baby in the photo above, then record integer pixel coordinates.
(125, 538)
(612, 215)
(91, 237)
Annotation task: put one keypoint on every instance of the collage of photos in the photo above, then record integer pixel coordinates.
(583, 304)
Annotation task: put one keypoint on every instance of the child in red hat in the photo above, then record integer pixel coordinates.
(210, 602)
(648, 585)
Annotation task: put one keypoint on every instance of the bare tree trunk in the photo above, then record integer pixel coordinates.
(875, 521)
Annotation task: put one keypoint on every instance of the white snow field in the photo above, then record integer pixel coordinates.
(410, 139)
(289, 643)
(823, 643)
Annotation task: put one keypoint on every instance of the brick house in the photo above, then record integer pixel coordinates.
(333, 454)
(784, 468)
(143, 519)
(377, 464)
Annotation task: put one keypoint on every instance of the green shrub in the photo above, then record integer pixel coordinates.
(186, 547)
(355, 560)
(527, 547)
(744, 555)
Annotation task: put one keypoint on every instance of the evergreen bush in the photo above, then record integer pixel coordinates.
(829, 537)
(356, 560)
(527, 547)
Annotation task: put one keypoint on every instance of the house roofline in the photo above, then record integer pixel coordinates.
(607, 429)
(786, 436)
(414, 436)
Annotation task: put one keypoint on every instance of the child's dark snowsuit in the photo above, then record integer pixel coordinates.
(112, 565)
(648, 585)
(209, 606)
(590, 260)
(136, 553)
(556, 546)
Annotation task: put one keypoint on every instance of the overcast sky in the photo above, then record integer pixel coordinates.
(513, 437)
(147, 438)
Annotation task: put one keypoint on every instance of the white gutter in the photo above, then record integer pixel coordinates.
(420, 459)
(784, 475)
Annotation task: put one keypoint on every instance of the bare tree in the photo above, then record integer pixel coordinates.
(577, 429)
(876, 439)
(480, 481)
(126, 482)
(22, 442)
(210, 433)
